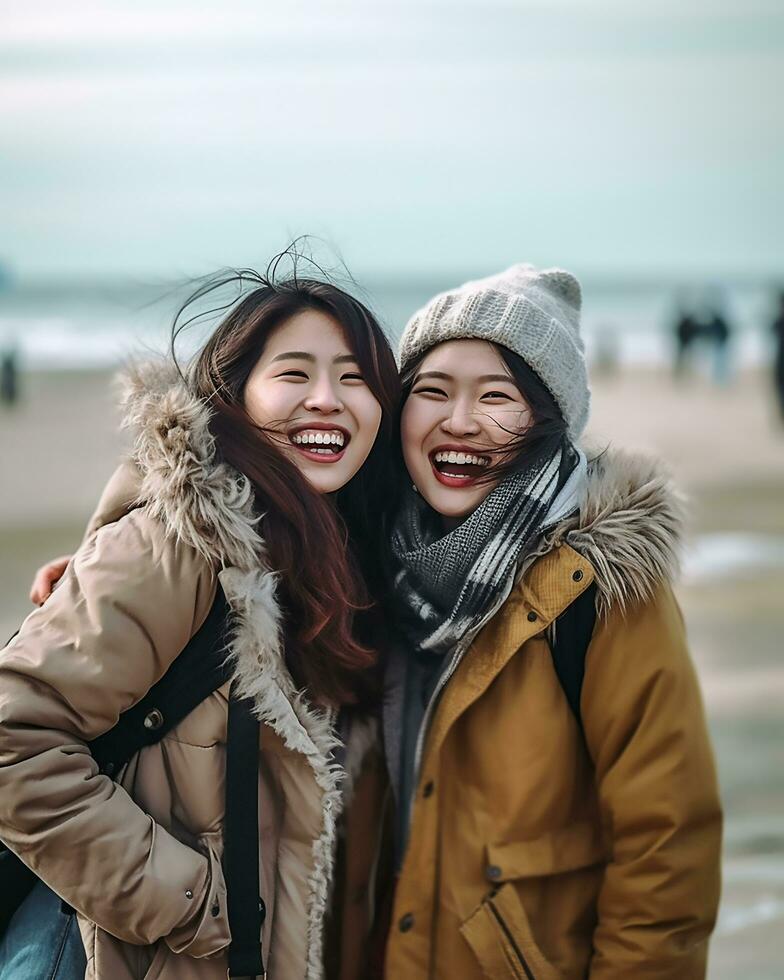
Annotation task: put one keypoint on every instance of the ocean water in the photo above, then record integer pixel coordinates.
(732, 556)
(77, 325)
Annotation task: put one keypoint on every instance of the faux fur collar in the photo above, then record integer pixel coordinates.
(207, 505)
(630, 527)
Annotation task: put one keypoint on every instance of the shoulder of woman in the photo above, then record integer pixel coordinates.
(130, 600)
(629, 527)
(141, 544)
(135, 567)
(119, 497)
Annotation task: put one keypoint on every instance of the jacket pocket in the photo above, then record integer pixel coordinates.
(571, 848)
(500, 937)
(208, 932)
(499, 930)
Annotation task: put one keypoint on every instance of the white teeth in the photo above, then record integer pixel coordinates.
(451, 456)
(318, 438)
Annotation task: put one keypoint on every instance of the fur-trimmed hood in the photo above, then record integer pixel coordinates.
(629, 527)
(206, 504)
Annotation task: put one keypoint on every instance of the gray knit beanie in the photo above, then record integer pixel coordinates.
(535, 313)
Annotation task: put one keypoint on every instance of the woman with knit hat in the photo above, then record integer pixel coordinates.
(557, 808)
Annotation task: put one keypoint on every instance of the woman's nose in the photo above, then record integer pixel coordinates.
(462, 421)
(323, 397)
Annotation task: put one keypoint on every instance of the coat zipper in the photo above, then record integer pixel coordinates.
(457, 656)
(512, 942)
(443, 680)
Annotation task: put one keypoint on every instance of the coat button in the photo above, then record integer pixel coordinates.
(262, 909)
(578, 575)
(188, 893)
(427, 789)
(532, 617)
(406, 922)
(493, 872)
(215, 911)
(153, 720)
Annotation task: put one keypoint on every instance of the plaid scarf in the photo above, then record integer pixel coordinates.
(447, 584)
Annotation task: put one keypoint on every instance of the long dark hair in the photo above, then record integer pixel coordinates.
(324, 547)
(547, 432)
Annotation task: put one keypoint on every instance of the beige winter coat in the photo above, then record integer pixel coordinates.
(140, 858)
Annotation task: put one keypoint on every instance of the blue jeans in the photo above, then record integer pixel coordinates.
(41, 942)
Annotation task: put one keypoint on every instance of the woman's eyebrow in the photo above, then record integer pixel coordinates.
(496, 377)
(290, 355)
(303, 355)
(448, 377)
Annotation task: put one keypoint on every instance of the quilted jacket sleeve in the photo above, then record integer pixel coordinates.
(118, 497)
(128, 603)
(645, 728)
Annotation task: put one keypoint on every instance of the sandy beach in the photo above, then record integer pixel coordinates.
(726, 449)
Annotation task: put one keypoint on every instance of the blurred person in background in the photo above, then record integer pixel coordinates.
(557, 806)
(685, 332)
(704, 323)
(263, 475)
(778, 356)
(717, 331)
(9, 376)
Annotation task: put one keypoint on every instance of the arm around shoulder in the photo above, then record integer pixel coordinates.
(646, 732)
(127, 605)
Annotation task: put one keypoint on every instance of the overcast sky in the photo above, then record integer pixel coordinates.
(166, 137)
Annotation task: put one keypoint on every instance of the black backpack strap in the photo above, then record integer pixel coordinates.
(199, 670)
(573, 631)
(241, 852)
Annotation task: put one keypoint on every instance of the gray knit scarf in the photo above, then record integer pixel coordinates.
(445, 584)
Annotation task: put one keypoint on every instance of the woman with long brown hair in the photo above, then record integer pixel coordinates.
(259, 475)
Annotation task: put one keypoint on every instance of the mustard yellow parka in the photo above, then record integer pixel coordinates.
(538, 850)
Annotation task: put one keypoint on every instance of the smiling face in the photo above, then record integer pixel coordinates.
(463, 410)
(307, 392)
